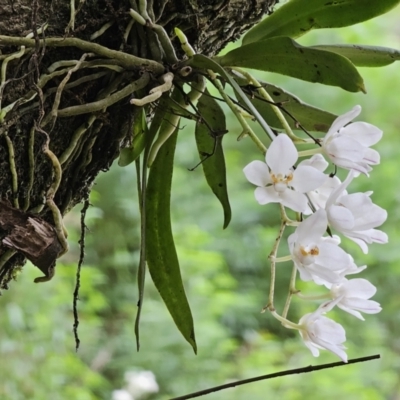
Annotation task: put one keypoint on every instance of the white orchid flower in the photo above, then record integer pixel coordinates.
(355, 215)
(349, 146)
(354, 295)
(319, 258)
(139, 383)
(320, 195)
(278, 181)
(319, 332)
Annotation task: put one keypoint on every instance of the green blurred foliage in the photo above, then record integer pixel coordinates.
(226, 275)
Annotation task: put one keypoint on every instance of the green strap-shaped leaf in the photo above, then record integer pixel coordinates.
(297, 17)
(129, 154)
(364, 56)
(161, 255)
(311, 118)
(212, 117)
(284, 56)
(142, 192)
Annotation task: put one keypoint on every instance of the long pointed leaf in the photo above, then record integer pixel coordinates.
(297, 17)
(311, 118)
(284, 56)
(362, 55)
(161, 254)
(214, 166)
(142, 192)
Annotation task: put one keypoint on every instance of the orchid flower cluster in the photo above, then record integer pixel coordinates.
(315, 252)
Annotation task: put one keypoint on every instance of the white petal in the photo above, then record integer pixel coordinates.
(330, 335)
(345, 147)
(334, 239)
(309, 318)
(375, 216)
(281, 155)
(363, 305)
(291, 241)
(371, 156)
(366, 214)
(306, 179)
(312, 229)
(294, 200)
(265, 195)
(327, 306)
(367, 236)
(311, 346)
(361, 167)
(358, 203)
(329, 330)
(257, 173)
(340, 189)
(357, 314)
(340, 217)
(378, 236)
(339, 350)
(356, 270)
(317, 161)
(363, 132)
(344, 119)
(305, 275)
(323, 276)
(359, 288)
(360, 242)
(332, 257)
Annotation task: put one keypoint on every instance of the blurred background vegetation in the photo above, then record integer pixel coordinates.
(226, 275)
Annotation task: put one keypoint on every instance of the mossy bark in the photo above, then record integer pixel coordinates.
(209, 26)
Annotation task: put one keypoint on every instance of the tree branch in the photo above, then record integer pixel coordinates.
(303, 370)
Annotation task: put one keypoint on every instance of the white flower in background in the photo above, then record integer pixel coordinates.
(354, 295)
(355, 215)
(317, 258)
(121, 394)
(139, 383)
(348, 146)
(278, 182)
(319, 332)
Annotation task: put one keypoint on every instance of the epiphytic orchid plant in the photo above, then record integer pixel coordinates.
(167, 87)
(320, 202)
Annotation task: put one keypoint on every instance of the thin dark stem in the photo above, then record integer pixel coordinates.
(78, 273)
(310, 368)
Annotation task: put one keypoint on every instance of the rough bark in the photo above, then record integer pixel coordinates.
(209, 26)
